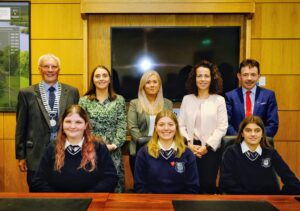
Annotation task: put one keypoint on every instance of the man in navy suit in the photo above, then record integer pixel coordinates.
(262, 101)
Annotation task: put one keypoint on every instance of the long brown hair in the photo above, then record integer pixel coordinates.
(153, 148)
(89, 157)
(258, 121)
(216, 84)
(91, 92)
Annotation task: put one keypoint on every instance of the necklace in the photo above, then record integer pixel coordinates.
(52, 112)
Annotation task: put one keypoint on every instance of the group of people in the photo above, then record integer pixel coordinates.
(72, 144)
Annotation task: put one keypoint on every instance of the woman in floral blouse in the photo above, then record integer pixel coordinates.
(107, 114)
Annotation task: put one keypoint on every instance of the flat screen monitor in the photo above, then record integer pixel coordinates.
(172, 52)
(14, 52)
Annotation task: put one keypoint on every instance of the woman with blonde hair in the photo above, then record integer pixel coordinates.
(77, 161)
(166, 165)
(142, 111)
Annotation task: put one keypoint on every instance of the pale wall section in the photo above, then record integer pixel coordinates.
(56, 27)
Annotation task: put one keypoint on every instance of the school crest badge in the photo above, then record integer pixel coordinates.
(266, 162)
(179, 167)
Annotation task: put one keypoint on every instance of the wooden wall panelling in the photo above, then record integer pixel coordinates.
(288, 126)
(1, 126)
(279, 56)
(290, 152)
(276, 1)
(85, 56)
(285, 87)
(1, 153)
(69, 52)
(128, 176)
(73, 80)
(99, 29)
(174, 6)
(10, 125)
(276, 20)
(14, 180)
(56, 21)
(55, 1)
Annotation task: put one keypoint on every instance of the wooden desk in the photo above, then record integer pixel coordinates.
(108, 201)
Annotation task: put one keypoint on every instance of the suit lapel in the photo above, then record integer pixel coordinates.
(41, 105)
(63, 99)
(257, 100)
(241, 102)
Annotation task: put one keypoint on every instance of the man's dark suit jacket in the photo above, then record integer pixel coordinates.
(265, 107)
(33, 123)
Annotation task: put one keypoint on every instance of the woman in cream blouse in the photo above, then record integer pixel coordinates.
(142, 111)
(203, 121)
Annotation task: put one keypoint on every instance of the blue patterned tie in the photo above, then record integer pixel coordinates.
(51, 97)
(73, 149)
(252, 155)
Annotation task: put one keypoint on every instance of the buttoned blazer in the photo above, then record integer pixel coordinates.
(138, 122)
(33, 122)
(265, 106)
(213, 119)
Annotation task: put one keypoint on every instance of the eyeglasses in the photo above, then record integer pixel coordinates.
(47, 67)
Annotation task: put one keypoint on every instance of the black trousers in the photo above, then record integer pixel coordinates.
(132, 163)
(30, 176)
(208, 167)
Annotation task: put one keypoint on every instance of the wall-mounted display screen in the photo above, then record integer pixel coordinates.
(14, 51)
(171, 51)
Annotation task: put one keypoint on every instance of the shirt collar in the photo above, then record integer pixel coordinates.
(253, 90)
(67, 143)
(173, 146)
(46, 86)
(245, 148)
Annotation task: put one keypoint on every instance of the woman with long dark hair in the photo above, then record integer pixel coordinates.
(107, 115)
(203, 121)
(252, 166)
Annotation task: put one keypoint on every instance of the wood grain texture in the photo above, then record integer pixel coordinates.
(285, 88)
(56, 21)
(288, 126)
(2, 169)
(14, 180)
(279, 56)
(9, 126)
(128, 174)
(276, 20)
(155, 6)
(277, 1)
(290, 152)
(55, 1)
(1, 126)
(69, 52)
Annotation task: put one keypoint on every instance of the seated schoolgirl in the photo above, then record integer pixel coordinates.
(252, 166)
(165, 165)
(77, 162)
